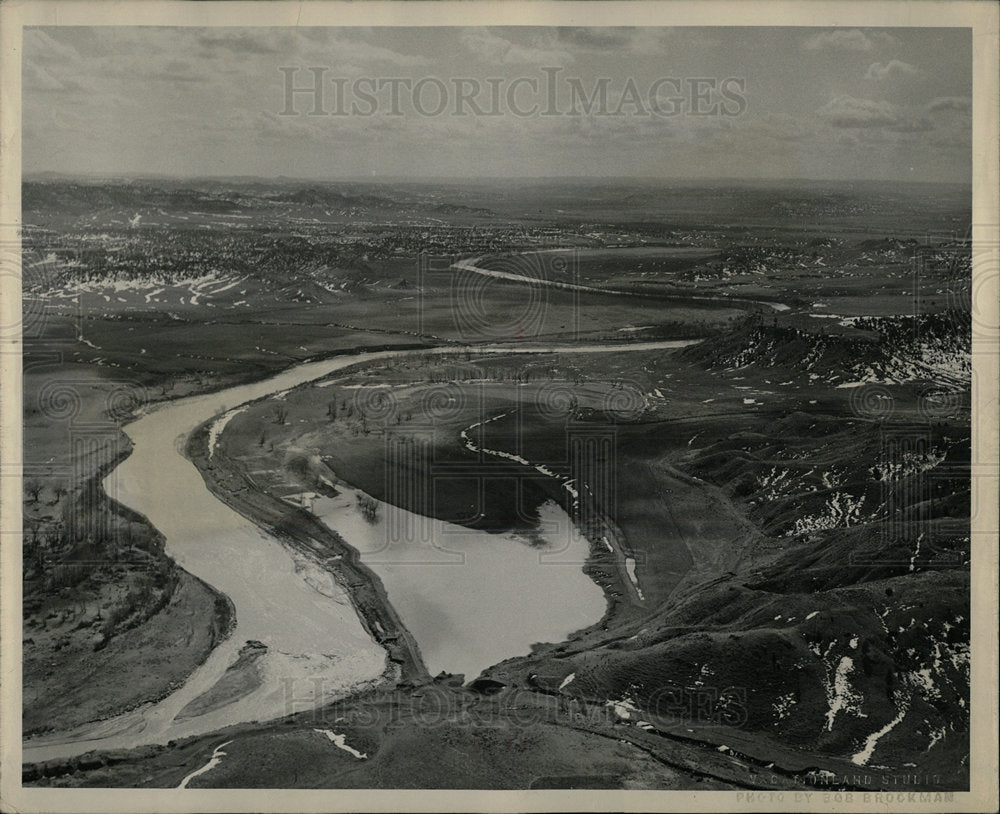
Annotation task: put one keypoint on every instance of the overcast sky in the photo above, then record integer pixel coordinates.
(800, 103)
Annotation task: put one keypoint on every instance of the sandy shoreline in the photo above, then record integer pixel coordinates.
(305, 534)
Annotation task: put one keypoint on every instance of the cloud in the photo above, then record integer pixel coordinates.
(598, 39)
(239, 41)
(912, 124)
(39, 46)
(320, 46)
(652, 41)
(54, 78)
(177, 70)
(850, 112)
(360, 52)
(782, 127)
(492, 48)
(960, 103)
(38, 79)
(644, 41)
(848, 39)
(878, 71)
(847, 111)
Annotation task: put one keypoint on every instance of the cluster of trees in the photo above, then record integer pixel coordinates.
(59, 553)
(34, 487)
(147, 595)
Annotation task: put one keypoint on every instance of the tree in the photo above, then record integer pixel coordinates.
(33, 487)
(35, 526)
(54, 540)
(280, 414)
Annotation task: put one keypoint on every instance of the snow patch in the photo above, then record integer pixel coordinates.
(624, 709)
(630, 567)
(839, 694)
(861, 758)
(340, 741)
(216, 759)
(783, 705)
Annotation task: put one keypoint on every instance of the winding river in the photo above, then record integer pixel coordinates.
(317, 648)
(473, 264)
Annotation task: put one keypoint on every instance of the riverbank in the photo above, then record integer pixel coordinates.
(137, 484)
(297, 445)
(318, 648)
(101, 599)
(305, 534)
(141, 665)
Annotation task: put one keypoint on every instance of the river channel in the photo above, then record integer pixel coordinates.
(492, 599)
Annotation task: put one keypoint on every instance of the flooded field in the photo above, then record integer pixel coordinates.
(472, 598)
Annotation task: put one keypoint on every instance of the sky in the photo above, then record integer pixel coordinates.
(753, 103)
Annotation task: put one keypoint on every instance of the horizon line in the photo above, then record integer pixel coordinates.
(363, 179)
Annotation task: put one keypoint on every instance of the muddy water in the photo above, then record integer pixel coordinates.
(471, 598)
(318, 649)
(492, 600)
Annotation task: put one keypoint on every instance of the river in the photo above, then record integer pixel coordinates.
(472, 264)
(318, 649)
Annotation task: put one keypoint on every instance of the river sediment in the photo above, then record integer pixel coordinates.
(302, 531)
